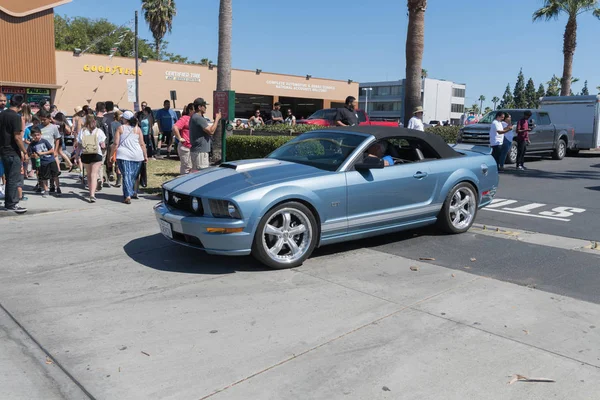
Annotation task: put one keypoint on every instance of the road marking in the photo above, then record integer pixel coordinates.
(559, 213)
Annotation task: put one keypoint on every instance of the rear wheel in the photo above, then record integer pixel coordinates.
(511, 158)
(560, 151)
(459, 210)
(286, 236)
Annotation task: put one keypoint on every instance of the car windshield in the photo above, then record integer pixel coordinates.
(489, 117)
(324, 150)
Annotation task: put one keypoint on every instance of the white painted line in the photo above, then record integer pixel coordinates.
(497, 203)
(526, 208)
(526, 215)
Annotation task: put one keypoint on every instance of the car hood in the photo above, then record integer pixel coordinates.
(231, 178)
(477, 128)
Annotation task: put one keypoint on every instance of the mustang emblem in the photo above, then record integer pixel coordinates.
(176, 199)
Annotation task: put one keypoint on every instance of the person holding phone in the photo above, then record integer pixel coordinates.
(201, 135)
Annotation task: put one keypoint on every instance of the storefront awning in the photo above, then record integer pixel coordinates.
(30, 85)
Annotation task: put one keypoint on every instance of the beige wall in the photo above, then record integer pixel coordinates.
(81, 87)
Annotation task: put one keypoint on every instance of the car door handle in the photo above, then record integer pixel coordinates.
(420, 175)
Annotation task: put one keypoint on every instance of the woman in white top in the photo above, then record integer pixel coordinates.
(131, 153)
(91, 156)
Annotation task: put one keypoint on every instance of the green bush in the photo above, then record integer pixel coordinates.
(448, 133)
(284, 129)
(244, 147)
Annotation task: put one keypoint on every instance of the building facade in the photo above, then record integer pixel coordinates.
(442, 100)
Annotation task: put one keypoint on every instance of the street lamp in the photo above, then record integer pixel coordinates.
(367, 90)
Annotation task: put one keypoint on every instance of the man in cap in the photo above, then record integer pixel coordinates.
(201, 135)
(416, 122)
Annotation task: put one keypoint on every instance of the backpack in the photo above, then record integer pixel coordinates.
(90, 143)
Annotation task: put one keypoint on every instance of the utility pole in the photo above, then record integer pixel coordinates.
(137, 67)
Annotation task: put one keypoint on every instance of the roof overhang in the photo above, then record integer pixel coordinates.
(21, 8)
(30, 85)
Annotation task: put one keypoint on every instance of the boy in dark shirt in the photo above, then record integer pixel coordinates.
(42, 156)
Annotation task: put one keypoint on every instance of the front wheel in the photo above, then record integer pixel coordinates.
(511, 158)
(286, 236)
(459, 210)
(560, 151)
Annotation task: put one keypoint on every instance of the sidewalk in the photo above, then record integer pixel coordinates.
(135, 317)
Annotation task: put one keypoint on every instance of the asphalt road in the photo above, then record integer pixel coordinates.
(554, 197)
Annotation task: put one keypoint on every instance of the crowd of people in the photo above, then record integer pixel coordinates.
(110, 147)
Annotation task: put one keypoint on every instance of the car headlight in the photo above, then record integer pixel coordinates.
(195, 204)
(166, 195)
(224, 209)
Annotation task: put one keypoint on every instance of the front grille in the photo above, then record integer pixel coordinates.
(187, 239)
(184, 202)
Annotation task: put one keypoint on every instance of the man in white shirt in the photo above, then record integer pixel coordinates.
(497, 132)
(416, 122)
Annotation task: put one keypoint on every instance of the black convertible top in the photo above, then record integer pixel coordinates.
(382, 132)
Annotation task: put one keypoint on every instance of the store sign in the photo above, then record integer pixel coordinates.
(39, 92)
(13, 90)
(302, 87)
(111, 70)
(182, 76)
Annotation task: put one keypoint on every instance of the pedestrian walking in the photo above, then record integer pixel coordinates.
(131, 153)
(51, 134)
(347, 115)
(166, 118)
(276, 116)
(12, 152)
(508, 141)
(41, 151)
(201, 135)
(181, 130)
(65, 130)
(497, 132)
(523, 139)
(92, 141)
(416, 122)
(146, 124)
(107, 121)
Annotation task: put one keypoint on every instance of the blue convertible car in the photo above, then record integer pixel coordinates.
(328, 186)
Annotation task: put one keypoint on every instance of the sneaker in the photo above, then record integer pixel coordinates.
(18, 209)
(521, 168)
(58, 192)
(52, 189)
(24, 198)
(44, 194)
(111, 177)
(99, 186)
(135, 196)
(92, 199)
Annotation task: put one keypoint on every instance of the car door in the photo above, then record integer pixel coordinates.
(536, 135)
(393, 195)
(546, 131)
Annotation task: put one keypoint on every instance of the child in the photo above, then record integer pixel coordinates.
(42, 155)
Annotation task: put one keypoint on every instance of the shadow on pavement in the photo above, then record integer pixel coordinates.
(563, 175)
(596, 188)
(158, 253)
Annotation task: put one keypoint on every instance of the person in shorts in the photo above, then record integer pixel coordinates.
(92, 158)
(41, 149)
(201, 135)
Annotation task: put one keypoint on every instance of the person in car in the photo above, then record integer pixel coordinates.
(378, 150)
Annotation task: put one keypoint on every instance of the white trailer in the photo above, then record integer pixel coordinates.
(581, 112)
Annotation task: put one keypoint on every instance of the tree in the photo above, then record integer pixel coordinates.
(585, 91)
(481, 100)
(519, 93)
(530, 94)
(495, 100)
(553, 86)
(507, 98)
(159, 15)
(540, 93)
(552, 9)
(598, 89)
(475, 108)
(487, 110)
(423, 73)
(415, 45)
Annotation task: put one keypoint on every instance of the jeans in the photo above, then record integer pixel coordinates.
(12, 172)
(521, 150)
(506, 145)
(496, 153)
(150, 145)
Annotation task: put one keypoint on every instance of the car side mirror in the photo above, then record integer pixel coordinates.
(531, 123)
(369, 163)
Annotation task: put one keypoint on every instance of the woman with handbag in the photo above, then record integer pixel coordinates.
(91, 141)
(131, 153)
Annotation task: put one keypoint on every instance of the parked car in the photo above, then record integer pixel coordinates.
(326, 117)
(321, 188)
(545, 136)
(582, 113)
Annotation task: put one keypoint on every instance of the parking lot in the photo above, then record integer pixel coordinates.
(97, 304)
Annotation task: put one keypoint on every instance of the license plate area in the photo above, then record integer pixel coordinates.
(166, 228)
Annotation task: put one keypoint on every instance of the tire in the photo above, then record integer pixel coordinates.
(511, 157)
(573, 152)
(560, 151)
(447, 219)
(272, 239)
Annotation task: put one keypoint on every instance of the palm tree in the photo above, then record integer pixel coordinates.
(481, 100)
(423, 73)
(223, 63)
(159, 15)
(572, 8)
(415, 43)
(205, 61)
(495, 100)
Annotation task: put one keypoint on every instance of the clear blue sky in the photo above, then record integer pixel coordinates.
(477, 42)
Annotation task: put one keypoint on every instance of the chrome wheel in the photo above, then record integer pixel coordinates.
(512, 155)
(562, 149)
(463, 208)
(287, 235)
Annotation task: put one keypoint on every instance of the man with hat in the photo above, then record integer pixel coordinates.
(416, 122)
(201, 134)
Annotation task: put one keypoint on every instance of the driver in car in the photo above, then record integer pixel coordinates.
(378, 150)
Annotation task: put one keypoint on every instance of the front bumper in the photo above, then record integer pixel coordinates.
(189, 230)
